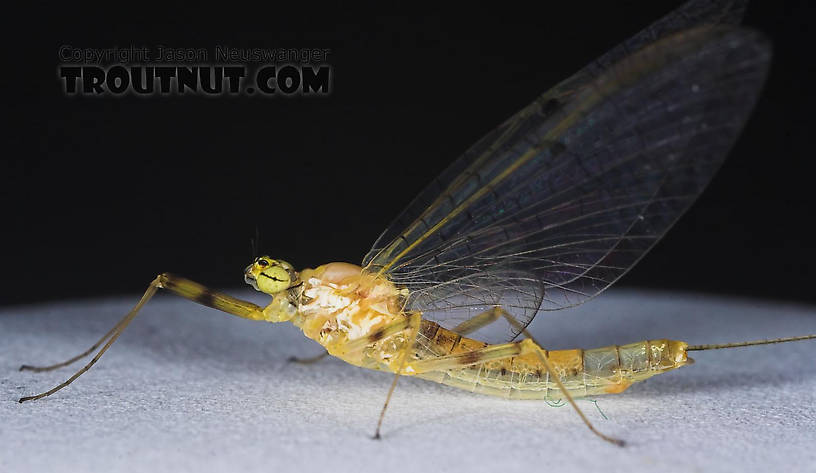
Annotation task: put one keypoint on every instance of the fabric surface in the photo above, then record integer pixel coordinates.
(187, 388)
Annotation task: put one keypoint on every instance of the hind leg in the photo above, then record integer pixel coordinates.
(505, 351)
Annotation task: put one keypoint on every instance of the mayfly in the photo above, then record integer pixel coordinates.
(543, 213)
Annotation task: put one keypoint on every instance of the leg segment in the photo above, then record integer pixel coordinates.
(541, 355)
(359, 344)
(414, 322)
(308, 361)
(478, 321)
(183, 287)
(411, 323)
(499, 352)
(488, 317)
(40, 369)
(115, 332)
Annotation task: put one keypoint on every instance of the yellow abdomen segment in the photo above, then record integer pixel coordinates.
(604, 370)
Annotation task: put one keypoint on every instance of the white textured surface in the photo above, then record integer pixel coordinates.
(189, 389)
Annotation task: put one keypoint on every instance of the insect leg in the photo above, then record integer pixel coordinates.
(458, 360)
(533, 347)
(115, 332)
(358, 344)
(478, 321)
(183, 287)
(499, 352)
(414, 321)
(488, 317)
(40, 369)
(310, 360)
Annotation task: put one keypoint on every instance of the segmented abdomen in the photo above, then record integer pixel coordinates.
(604, 370)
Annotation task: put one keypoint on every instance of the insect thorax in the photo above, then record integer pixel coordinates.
(339, 302)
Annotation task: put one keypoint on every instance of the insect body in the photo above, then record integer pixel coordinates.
(542, 214)
(339, 305)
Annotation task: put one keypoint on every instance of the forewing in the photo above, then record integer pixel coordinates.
(574, 193)
(689, 15)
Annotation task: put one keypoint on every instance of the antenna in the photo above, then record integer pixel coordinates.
(255, 243)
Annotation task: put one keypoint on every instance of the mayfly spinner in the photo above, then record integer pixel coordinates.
(543, 213)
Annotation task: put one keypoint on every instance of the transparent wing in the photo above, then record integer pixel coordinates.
(690, 15)
(569, 195)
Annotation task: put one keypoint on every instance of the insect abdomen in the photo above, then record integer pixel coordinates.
(583, 372)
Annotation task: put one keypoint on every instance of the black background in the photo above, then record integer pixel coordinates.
(100, 194)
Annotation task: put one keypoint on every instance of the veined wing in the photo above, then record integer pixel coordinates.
(574, 194)
(690, 15)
